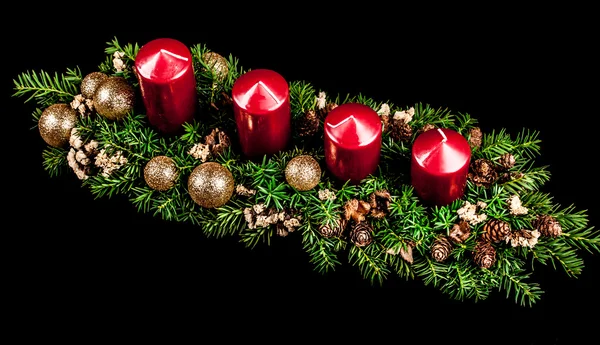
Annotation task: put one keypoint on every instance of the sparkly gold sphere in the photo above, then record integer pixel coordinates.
(217, 63)
(303, 172)
(211, 185)
(90, 83)
(55, 124)
(114, 98)
(161, 173)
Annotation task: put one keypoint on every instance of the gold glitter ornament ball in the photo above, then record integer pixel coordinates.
(217, 64)
(55, 124)
(114, 98)
(90, 83)
(303, 172)
(211, 185)
(161, 173)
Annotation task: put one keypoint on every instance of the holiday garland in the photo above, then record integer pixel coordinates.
(487, 240)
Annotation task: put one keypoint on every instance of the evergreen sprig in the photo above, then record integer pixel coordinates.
(402, 240)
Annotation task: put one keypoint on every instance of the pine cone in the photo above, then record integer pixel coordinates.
(361, 234)
(400, 131)
(547, 225)
(335, 229)
(482, 172)
(217, 141)
(441, 249)
(495, 230)
(309, 124)
(426, 127)
(484, 254)
(506, 161)
(325, 111)
(356, 210)
(475, 137)
(380, 203)
(460, 232)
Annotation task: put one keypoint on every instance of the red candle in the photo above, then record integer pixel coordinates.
(167, 83)
(439, 166)
(261, 105)
(352, 141)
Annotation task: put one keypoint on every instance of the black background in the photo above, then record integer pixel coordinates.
(72, 255)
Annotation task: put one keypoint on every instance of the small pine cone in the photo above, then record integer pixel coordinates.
(475, 137)
(426, 127)
(547, 225)
(309, 124)
(335, 229)
(326, 110)
(460, 232)
(482, 172)
(217, 141)
(495, 230)
(361, 234)
(484, 254)
(400, 131)
(380, 203)
(506, 161)
(441, 249)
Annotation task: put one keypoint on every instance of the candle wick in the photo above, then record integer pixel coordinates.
(443, 135)
(164, 51)
(246, 98)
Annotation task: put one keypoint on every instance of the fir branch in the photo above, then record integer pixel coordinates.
(130, 50)
(54, 161)
(558, 253)
(576, 232)
(513, 280)
(46, 89)
(425, 114)
(465, 281)
(430, 272)
(322, 251)
(531, 180)
(304, 98)
(371, 262)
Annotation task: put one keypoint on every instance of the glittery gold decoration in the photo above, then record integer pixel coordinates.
(211, 185)
(114, 98)
(303, 172)
(55, 124)
(217, 64)
(90, 83)
(161, 173)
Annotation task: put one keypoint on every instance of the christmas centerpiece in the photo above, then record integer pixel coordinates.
(188, 135)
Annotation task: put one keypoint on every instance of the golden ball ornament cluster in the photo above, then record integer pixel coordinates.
(90, 83)
(211, 185)
(303, 172)
(114, 98)
(56, 123)
(161, 173)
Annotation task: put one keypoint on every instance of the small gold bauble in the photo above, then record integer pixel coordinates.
(55, 124)
(211, 185)
(90, 83)
(114, 98)
(217, 63)
(303, 172)
(161, 173)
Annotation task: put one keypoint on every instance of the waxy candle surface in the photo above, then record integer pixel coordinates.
(440, 165)
(261, 104)
(352, 141)
(167, 83)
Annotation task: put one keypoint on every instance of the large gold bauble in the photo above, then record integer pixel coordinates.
(161, 173)
(90, 83)
(303, 172)
(211, 185)
(114, 98)
(56, 123)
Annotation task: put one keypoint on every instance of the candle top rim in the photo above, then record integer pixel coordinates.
(260, 91)
(163, 60)
(353, 125)
(441, 151)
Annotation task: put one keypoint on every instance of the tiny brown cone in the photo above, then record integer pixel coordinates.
(495, 230)
(484, 254)
(547, 225)
(441, 249)
(361, 234)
